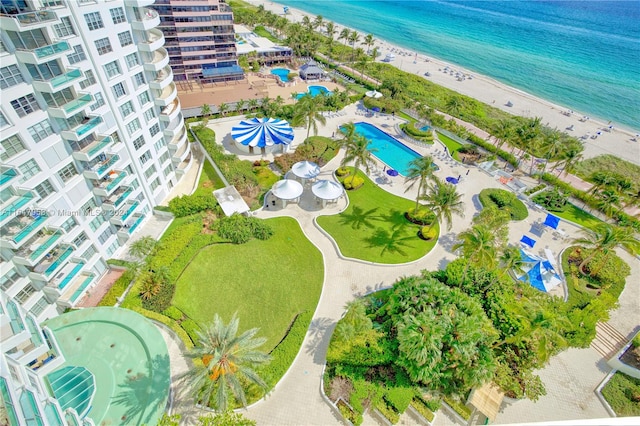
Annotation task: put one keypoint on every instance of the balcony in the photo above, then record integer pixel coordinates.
(122, 219)
(66, 276)
(76, 289)
(91, 151)
(184, 166)
(173, 129)
(28, 20)
(58, 82)
(164, 77)
(166, 96)
(128, 229)
(82, 130)
(16, 206)
(156, 61)
(170, 112)
(43, 54)
(179, 139)
(181, 153)
(7, 176)
(108, 185)
(100, 170)
(20, 228)
(70, 108)
(154, 41)
(37, 247)
(53, 262)
(145, 19)
(116, 199)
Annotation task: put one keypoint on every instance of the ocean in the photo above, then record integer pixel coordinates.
(583, 55)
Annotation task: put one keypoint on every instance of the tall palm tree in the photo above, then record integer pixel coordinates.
(143, 247)
(602, 239)
(152, 281)
(344, 35)
(477, 246)
(330, 29)
(569, 158)
(223, 108)
(368, 41)
(306, 22)
(353, 38)
(362, 60)
(252, 104)
(444, 200)
(222, 359)
(511, 260)
(552, 146)
(356, 149)
(240, 105)
(317, 22)
(421, 171)
(309, 112)
(503, 131)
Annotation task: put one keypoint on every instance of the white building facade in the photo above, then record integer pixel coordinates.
(91, 138)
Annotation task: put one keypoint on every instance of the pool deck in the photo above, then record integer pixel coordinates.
(570, 377)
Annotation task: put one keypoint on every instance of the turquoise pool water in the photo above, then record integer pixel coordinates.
(389, 150)
(314, 91)
(425, 128)
(283, 73)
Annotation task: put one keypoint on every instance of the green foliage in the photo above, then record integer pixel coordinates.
(607, 163)
(552, 200)
(428, 232)
(349, 414)
(191, 328)
(352, 182)
(636, 341)
(421, 407)
(399, 397)
(173, 313)
(458, 407)
(186, 205)
(174, 241)
(240, 229)
(535, 189)
(622, 392)
(388, 412)
(162, 299)
(422, 135)
(228, 418)
(423, 216)
(173, 325)
(117, 289)
(342, 171)
(505, 200)
(167, 420)
(365, 394)
(119, 262)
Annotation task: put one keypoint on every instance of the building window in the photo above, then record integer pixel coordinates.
(117, 15)
(132, 60)
(116, 137)
(126, 109)
(155, 184)
(25, 293)
(118, 90)
(29, 169)
(89, 80)
(104, 46)
(25, 105)
(69, 224)
(159, 145)
(3, 120)
(138, 143)
(145, 157)
(77, 56)
(144, 98)
(44, 189)
(133, 126)
(81, 238)
(138, 79)
(67, 172)
(94, 21)
(95, 223)
(64, 28)
(10, 76)
(99, 101)
(89, 253)
(112, 69)
(41, 130)
(11, 146)
(105, 235)
(164, 157)
(154, 129)
(125, 38)
(112, 248)
(39, 307)
(149, 114)
(149, 172)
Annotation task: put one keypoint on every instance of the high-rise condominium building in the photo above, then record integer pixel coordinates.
(92, 137)
(200, 39)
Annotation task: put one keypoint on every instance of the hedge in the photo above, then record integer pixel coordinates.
(191, 328)
(119, 262)
(422, 408)
(117, 289)
(388, 412)
(173, 325)
(458, 407)
(399, 397)
(186, 205)
(504, 200)
(173, 313)
(622, 393)
(506, 156)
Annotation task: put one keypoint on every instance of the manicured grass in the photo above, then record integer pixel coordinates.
(209, 180)
(516, 208)
(262, 32)
(451, 145)
(374, 228)
(619, 391)
(266, 177)
(266, 282)
(579, 216)
(608, 163)
(407, 117)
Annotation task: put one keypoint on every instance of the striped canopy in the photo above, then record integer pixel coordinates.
(262, 132)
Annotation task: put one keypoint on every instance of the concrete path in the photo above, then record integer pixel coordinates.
(570, 377)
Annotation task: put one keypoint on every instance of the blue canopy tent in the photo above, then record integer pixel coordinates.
(263, 133)
(539, 272)
(552, 221)
(528, 241)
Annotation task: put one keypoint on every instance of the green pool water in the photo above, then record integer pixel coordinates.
(127, 358)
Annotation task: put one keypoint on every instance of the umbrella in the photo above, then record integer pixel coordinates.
(327, 189)
(305, 169)
(451, 180)
(539, 272)
(392, 172)
(373, 94)
(528, 241)
(262, 132)
(287, 189)
(375, 109)
(552, 221)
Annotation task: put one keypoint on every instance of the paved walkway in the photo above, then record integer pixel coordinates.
(570, 377)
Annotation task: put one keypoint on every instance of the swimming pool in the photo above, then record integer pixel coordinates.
(283, 73)
(314, 91)
(390, 151)
(425, 128)
(116, 367)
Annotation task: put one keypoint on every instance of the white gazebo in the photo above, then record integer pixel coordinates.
(327, 190)
(305, 170)
(373, 94)
(287, 190)
(263, 133)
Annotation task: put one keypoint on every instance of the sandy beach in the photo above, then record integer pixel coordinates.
(597, 136)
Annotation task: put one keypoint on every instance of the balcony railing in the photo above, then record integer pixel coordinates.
(72, 273)
(135, 224)
(16, 205)
(24, 226)
(51, 264)
(32, 18)
(101, 168)
(122, 197)
(130, 210)
(81, 288)
(8, 175)
(52, 49)
(78, 103)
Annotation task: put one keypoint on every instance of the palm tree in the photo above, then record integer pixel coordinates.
(356, 148)
(353, 38)
(306, 22)
(308, 111)
(330, 29)
(148, 288)
(222, 108)
(223, 360)
(444, 200)
(511, 260)
(368, 41)
(420, 171)
(252, 104)
(152, 281)
(344, 35)
(362, 60)
(317, 22)
(503, 131)
(143, 247)
(552, 146)
(569, 158)
(602, 239)
(477, 246)
(240, 105)
(205, 112)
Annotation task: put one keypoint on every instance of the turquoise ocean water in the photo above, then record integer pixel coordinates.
(583, 55)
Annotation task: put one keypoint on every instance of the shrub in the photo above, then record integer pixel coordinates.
(388, 412)
(180, 332)
(161, 300)
(349, 414)
(504, 200)
(343, 171)
(459, 407)
(423, 216)
(352, 182)
(191, 328)
(422, 408)
(552, 200)
(117, 289)
(428, 233)
(240, 229)
(636, 341)
(622, 392)
(173, 313)
(400, 397)
(535, 189)
(187, 205)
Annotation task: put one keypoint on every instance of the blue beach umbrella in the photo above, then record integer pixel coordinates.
(263, 132)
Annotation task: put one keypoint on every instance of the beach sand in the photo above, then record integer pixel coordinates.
(616, 141)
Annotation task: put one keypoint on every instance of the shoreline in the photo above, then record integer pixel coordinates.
(598, 138)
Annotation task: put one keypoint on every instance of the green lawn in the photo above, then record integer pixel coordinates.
(374, 228)
(266, 282)
(619, 391)
(451, 145)
(578, 216)
(209, 180)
